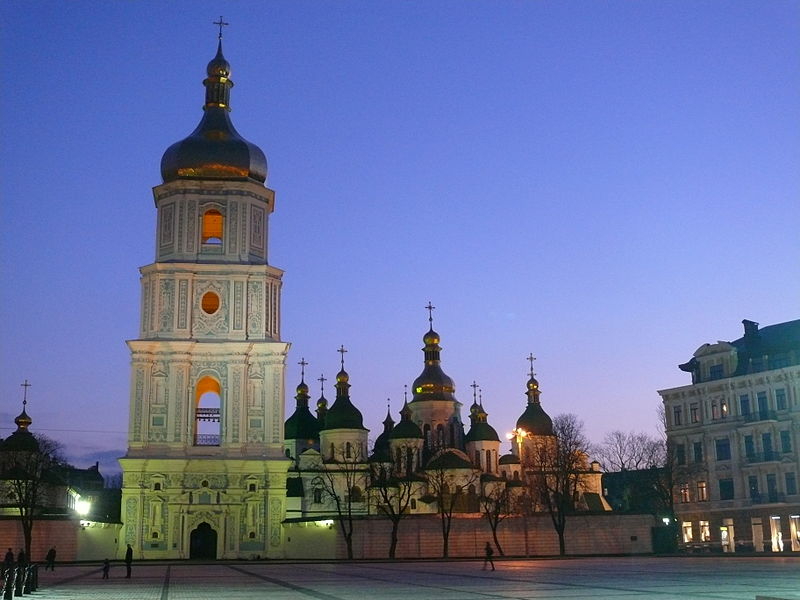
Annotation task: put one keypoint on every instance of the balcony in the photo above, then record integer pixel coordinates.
(206, 439)
(761, 415)
(770, 498)
(760, 457)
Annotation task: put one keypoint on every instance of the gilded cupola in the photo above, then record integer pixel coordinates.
(215, 150)
(432, 383)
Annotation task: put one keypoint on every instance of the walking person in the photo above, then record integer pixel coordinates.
(488, 553)
(50, 559)
(128, 561)
(8, 561)
(22, 558)
(106, 567)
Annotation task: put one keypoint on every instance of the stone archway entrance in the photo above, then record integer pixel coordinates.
(203, 543)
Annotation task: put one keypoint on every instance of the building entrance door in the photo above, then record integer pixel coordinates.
(203, 543)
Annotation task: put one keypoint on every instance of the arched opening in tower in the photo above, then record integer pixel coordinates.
(207, 422)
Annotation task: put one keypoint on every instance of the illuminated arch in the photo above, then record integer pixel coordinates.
(207, 411)
(213, 226)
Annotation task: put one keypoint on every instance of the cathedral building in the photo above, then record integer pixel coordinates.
(212, 469)
(204, 475)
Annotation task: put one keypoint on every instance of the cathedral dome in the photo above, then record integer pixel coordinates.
(343, 415)
(481, 432)
(302, 425)
(535, 421)
(215, 150)
(431, 338)
(509, 459)
(406, 429)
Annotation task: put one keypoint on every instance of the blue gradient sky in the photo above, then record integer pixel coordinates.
(605, 184)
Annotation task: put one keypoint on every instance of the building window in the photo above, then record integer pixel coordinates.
(694, 413)
(697, 449)
(780, 399)
(684, 492)
(749, 447)
(676, 415)
(726, 489)
(744, 405)
(348, 450)
(252, 535)
(702, 491)
(157, 487)
(413, 504)
(680, 454)
(786, 441)
(686, 527)
(317, 495)
(791, 486)
(763, 405)
(212, 227)
(752, 486)
(705, 532)
(766, 445)
(723, 448)
(715, 372)
(724, 409)
(251, 487)
(714, 411)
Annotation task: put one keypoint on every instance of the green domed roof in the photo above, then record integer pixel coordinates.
(406, 430)
(535, 421)
(343, 415)
(509, 459)
(449, 459)
(302, 425)
(481, 432)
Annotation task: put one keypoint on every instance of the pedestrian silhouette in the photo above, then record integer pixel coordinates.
(50, 559)
(488, 553)
(128, 561)
(106, 567)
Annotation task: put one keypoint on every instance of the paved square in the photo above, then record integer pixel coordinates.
(718, 578)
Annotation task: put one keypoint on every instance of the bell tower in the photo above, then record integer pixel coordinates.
(204, 474)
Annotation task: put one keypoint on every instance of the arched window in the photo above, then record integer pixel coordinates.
(355, 494)
(333, 451)
(489, 461)
(348, 450)
(317, 495)
(207, 412)
(398, 459)
(409, 461)
(213, 223)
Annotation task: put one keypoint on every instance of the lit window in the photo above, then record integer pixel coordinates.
(212, 227)
(687, 531)
(724, 409)
(684, 492)
(705, 532)
(702, 491)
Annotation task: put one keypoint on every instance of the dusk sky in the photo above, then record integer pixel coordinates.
(608, 185)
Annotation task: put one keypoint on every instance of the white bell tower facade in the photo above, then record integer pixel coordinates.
(205, 472)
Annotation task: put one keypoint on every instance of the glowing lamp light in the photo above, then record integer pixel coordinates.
(82, 507)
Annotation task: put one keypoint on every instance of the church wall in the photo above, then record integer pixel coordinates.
(63, 534)
(421, 537)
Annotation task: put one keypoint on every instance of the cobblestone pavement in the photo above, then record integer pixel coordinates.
(718, 578)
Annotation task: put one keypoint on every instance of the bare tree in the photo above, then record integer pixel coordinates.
(343, 479)
(628, 451)
(497, 504)
(391, 496)
(555, 469)
(448, 485)
(30, 474)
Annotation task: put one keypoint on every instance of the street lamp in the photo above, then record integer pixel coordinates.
(519, 435)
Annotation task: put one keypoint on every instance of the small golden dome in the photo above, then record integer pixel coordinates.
(342, 377)
(533, 384)
(431, 338)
